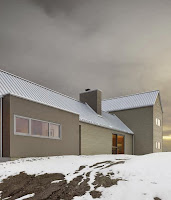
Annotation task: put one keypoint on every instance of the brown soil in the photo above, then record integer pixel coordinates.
(108, 163)
(105, 181)
(95, 194)
(80, 168)
(100, 164)
(23, 184)
(116, 163)
(156, 198)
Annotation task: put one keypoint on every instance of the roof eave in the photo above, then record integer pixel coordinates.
(130, 108)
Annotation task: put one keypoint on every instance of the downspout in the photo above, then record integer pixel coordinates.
(133, 144)
(1, 128)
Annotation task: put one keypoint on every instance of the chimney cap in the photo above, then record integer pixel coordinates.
(87, 89)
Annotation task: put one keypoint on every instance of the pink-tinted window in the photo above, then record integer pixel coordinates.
(39, 128)
(22, 125)
(54, 130)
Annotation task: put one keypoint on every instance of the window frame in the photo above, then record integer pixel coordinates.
(39, 136)
(116, 147)
(15, 123)
(38, 121)
(60, 131)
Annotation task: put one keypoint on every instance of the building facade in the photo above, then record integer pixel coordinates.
(143, 114)
(36, 121)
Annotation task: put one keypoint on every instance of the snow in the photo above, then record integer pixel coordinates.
(26, 197)
(146, 176)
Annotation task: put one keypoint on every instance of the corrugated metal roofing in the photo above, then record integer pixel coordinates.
(17, 86)
(129, 102)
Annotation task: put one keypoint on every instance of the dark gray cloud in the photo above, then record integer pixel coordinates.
(121, 47)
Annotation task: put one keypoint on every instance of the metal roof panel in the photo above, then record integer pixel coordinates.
(14, 85)
(130, 102)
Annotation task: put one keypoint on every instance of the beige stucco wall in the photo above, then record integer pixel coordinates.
(140, 121)
(25, 146)
(98, 140)
(157, 130)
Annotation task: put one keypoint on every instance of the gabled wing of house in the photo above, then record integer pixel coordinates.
(131, 101)
(14, 85)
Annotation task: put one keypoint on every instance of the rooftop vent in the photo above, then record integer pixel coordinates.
(87, 89)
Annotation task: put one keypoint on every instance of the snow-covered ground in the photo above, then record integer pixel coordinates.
(147, 176)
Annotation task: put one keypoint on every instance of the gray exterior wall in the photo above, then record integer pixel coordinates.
(140, 121)
(25, 146)
(157, 130)
(98, 140)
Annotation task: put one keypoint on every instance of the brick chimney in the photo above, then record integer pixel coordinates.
(93, 98)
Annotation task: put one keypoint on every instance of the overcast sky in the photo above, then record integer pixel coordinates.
(119, 46)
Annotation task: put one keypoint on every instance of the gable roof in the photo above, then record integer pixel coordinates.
(14, 85)
(131, 101)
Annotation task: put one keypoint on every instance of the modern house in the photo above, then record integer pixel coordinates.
(37, 121)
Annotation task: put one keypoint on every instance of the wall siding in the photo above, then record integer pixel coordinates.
(157, 130)
(26, 146)
(98, 140)
(6, 126)
(140, 121)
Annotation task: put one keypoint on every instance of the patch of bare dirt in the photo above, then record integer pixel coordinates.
(95, 194)
(156, 198)
(105, 181)
(106, 164)
(100, 163)
(23, 184)
(80, 168)
(114, 163)
(43, 188)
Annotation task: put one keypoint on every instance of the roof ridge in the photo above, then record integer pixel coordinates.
(39, 85)
(131, 95)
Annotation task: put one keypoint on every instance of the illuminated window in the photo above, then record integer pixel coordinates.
(158, 145)
(117, 144)
(22, 125)
(158, 122)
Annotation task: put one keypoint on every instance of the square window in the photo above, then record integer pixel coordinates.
(22, 125)
(39, 128)
(54, 130)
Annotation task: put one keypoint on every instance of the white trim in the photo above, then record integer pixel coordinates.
(39, 136)
(59, 130)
